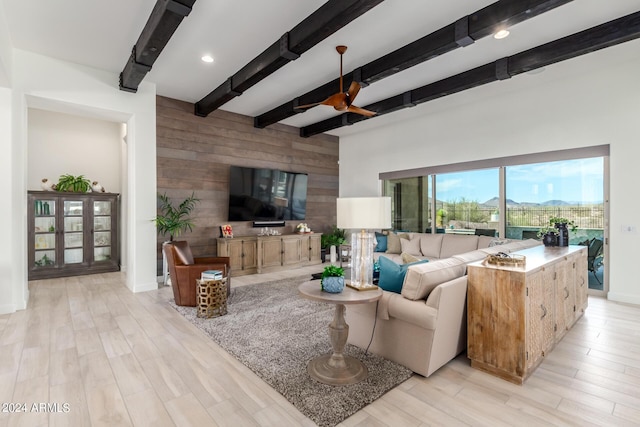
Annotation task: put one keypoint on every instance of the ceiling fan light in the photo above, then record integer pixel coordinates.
(207, 58)
(501, 34)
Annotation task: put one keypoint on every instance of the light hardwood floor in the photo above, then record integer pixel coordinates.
(118, 358)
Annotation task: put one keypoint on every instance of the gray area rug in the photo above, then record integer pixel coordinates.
(275, 332)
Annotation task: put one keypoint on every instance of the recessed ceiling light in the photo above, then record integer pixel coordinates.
(501, 34)
(207, 58)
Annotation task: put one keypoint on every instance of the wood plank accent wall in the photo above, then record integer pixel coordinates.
(194, 154)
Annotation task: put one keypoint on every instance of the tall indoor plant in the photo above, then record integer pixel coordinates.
(174, 220)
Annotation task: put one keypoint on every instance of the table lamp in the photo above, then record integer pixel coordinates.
(363, 213)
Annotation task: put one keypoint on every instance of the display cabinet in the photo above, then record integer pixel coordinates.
(72, 233)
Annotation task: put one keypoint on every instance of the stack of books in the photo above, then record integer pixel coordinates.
(211, 275)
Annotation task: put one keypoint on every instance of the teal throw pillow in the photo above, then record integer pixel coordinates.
(392, 274)
(382, 242)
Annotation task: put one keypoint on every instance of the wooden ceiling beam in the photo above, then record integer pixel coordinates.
(482, 23)
(326, 20)
(165, 18)
(600, 37)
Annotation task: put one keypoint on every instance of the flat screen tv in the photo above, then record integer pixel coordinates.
(266, 194)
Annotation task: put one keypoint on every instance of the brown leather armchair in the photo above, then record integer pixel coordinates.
(184, 270)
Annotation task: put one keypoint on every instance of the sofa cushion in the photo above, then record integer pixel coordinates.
(483, 241)
(473, 256)
(498, 242)
(393, 242)
(430, 245)
(392, 274)
(381, 245)
(422, 278)
(411, 246)
(408, 258)
(530, 243)
(454, 244)
(495, 249)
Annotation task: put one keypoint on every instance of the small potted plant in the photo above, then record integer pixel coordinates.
(563, 225)
(335, 238)
(549, 235)
(332, 279)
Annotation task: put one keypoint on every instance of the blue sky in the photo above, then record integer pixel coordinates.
(570, 181)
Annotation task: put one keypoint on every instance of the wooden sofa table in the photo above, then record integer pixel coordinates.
(337, 368)
(516, 315)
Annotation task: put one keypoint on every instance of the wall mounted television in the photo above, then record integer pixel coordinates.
(264, 195)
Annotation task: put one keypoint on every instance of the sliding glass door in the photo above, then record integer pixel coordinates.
(572, 189)
(468, 202)
(410, 203)
(512, 197)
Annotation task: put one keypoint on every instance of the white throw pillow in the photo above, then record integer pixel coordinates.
(411, 247)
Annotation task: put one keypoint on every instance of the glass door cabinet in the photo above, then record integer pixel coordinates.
(72, 234)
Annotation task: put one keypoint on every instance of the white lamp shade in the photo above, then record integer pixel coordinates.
(366, 213)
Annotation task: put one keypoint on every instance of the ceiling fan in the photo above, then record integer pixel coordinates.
(343, 101)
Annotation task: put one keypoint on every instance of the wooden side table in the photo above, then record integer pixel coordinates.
(337, 368)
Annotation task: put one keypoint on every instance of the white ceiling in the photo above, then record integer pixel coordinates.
(101, 34)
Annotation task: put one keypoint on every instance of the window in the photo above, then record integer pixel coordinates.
(468, 198)
(466, 201)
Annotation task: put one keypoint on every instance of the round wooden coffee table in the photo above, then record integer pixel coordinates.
(337, 368)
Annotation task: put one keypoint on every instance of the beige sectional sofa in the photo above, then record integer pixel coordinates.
(425, 326)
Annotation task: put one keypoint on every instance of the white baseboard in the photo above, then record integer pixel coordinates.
(624, 298)
(153, 286)
(7, 309)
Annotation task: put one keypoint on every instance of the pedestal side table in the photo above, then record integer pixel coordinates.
(337, 368)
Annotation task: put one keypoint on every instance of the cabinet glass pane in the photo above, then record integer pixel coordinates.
(102, 208)
(45, 258)
(45, 241)
(44, 207)
(72, 223)
(102, 254)
(73, 240)
(73, 256)
(73, 208)
(44, 224)
(102, 223)
(102, 239)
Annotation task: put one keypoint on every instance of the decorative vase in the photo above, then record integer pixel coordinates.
(332, 284)
(550, 239)
(563, 234)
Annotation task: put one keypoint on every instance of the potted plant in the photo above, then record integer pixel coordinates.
(563, 225)
(75, 184)
(174, 220)
(332, 279)
(549, 235)
(335, 238)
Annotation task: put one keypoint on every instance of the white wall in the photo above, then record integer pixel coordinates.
(50, 84)
(571, 104)
(66, 144)
(7, 279)
(5, 50)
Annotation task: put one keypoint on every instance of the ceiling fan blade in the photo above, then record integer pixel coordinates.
(308, 105)
(353, 90)
(353, 109)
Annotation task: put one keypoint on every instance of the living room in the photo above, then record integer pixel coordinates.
(587, 101)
